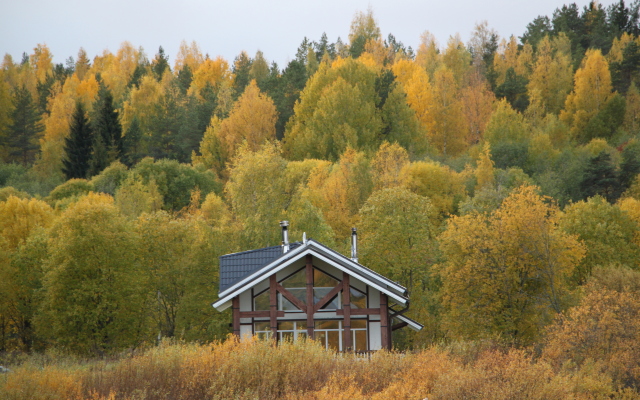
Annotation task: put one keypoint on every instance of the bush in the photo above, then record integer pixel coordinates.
(258, 370)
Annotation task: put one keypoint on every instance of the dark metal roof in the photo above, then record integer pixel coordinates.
(234, 267)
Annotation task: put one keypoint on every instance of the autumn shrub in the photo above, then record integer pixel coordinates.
(256, 369)
(603, 330)
(73, 188)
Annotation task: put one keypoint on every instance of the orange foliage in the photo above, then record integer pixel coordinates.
(258, 370)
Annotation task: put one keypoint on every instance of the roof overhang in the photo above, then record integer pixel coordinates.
(329, 256)
(410, 323)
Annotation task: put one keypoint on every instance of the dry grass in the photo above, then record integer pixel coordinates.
(258, 370)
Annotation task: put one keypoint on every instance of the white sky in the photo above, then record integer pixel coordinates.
(225, 28)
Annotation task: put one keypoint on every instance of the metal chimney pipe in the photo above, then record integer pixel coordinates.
(285, 236)
(354, 244)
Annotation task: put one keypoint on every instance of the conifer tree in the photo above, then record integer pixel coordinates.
(160, 64)
(601, 178)
(78, 145)
(23, 131)
(131, 143)
(107, 145)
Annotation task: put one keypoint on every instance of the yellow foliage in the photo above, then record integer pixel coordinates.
(42, 61)
(339, 190)
(211, 72)
(485, 170)
(417, 87)
(552, 76)
(477, 105)
(446, 123)
(258, 370)
(61, 106)
(631, 206)
(505, 58)
(603, 329)
(457, 59)
(141, 103)
(188, 55)
(615, 54)
(591, 90)
(387, 164)
(632, 110)
(439, 183)
(428, 55)
(19, 217)
(252, 120)
(506, 272)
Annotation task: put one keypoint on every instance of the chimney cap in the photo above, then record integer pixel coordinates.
(284, 224)
(354, 230)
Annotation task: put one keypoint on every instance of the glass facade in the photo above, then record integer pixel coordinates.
(328, 332)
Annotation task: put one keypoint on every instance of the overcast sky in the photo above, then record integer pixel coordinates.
(227, 27)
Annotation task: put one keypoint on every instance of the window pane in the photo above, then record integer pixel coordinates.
(334, 340)
(327, 325)
(286, 336)
(358, 324)
(262, 326)
(319, 293)
(301, 325)
(320, 279)
(361, 340)
(286, 305)
(300, 294)
(285, 326)
(261, 301)
(297, 280)
(358, 299)
(321, 337)
(302, 335)
(334, 304)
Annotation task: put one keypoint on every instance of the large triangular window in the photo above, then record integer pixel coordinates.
(323, 284)
(296, 284)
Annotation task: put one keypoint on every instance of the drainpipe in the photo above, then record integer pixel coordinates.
(285, 236)
(354, 244)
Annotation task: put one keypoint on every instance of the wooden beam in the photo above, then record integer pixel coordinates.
(361, 311)
(399, 325)
(235, 305)
(273, 307)
(328, 297)
(310, 306)
(259, 314)
(289, 296)
(346, 307)
(384, 322)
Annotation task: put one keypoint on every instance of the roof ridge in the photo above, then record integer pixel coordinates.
(260, 249)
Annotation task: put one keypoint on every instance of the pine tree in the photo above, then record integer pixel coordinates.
(630, 165)
(22, 138)
(241, 70)
(131, 143)
(160, 64)
(78, 145)
(601, 178)
(107, 146)
(185, 76)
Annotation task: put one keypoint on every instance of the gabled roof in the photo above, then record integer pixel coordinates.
(234, 267)
(317, 250)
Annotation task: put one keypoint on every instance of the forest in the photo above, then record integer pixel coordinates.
(497, 180)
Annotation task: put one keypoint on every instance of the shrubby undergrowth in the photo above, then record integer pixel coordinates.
(258, 370)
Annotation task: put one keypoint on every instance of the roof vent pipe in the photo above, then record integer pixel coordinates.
(285, 236)
(354, 244)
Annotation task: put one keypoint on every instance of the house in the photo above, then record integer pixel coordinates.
(305, 289)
